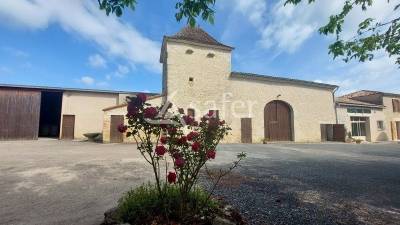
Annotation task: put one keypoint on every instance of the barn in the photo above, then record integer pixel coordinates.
(31, 112)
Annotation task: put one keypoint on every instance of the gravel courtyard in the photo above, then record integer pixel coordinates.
(50, 182)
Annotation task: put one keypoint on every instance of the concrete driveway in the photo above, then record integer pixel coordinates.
(51, 182)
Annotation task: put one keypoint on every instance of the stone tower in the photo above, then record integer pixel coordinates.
(196, 69)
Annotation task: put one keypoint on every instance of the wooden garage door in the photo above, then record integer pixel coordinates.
(115, 135)
(19, 114)
(277, 121)
(68, 126)
(246, 130)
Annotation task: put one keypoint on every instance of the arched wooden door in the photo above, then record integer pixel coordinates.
(278, 121)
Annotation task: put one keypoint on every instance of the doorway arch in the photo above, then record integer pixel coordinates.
(278, 121)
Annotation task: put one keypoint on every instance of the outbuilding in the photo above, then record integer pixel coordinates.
(30, 112)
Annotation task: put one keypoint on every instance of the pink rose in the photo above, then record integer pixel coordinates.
(150, 112)
(179, 162)
(196, 146)
(171, 177)
(122, 128)
(160, 150)
(211, 154)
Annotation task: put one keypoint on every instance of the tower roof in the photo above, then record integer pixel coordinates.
(196, 35)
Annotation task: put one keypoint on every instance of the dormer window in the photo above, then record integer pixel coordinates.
(189, 51)
(210, 55)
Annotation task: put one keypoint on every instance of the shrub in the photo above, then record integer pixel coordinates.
(163, 137)
(143, 205)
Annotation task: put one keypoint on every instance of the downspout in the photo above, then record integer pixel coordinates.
(334, 104)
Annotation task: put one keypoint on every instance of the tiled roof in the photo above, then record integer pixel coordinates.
(368, 92)
(196, 35)
(46, 88)
(241, 75)
(347, 101)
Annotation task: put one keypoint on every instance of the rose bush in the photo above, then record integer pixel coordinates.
(175, 145)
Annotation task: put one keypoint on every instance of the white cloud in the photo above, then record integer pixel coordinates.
(85, 19)
(286, 28)
(381, 74)
(97, 61)
(87, 80)
(122, 71)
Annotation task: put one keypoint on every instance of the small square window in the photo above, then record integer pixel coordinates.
(191, 79)
(381, 125)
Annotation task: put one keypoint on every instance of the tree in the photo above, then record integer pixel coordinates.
(371, 35)
(190, 9)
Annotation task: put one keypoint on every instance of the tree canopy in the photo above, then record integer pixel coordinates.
(189, 9)
(371, 36)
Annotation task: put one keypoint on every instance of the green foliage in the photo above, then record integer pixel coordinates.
(116, 6)
(189, 9)
(371, 36)
(142, 204)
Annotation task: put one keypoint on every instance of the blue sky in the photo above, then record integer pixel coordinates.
(73, 44)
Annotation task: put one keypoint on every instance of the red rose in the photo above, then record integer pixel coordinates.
(177, 155)
(211, 154)
(192, 135)
(179, 162)
(132, 110)
(150, 112)
(196, 146)
(160, 150)
(122, 128)
(171, 177)
(163, 140)
(182, 140)
(141, 97)
(188, 120)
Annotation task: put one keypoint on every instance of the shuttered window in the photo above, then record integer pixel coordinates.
(396, 105)
(191, 112)
(214, 114)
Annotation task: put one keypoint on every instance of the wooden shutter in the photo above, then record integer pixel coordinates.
(214, 113)
(191, 112)
(246, 134)
(396, 105)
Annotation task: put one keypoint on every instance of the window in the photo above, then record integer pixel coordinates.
(191, 112)
(359, 110)
(214, 113)
(381, 125)
(210, 55)
(358, 126)
(396, 105)
(191, 79)
(189, 51)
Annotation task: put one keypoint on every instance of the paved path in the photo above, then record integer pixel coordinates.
(51, 182)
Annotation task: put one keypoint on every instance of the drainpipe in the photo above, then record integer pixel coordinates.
(334, 104)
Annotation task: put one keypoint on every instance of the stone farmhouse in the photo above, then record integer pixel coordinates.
(197, 77)
(370, 115)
